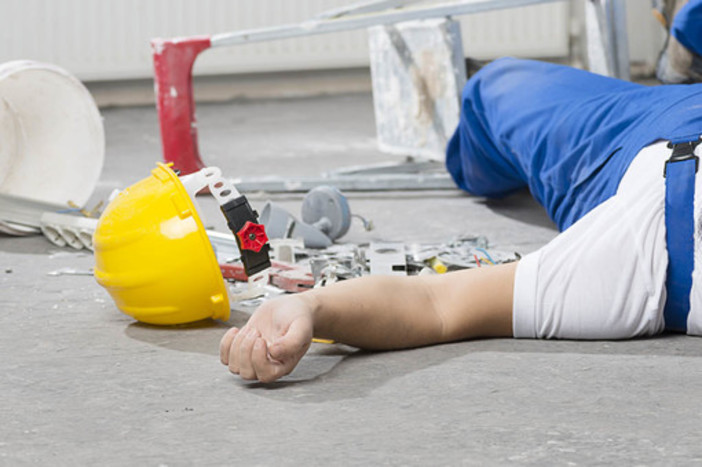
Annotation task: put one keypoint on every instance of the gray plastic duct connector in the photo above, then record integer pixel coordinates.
(326, 216)
(327, 209)
(280, 223)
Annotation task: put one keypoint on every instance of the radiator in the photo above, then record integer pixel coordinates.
(109, 39)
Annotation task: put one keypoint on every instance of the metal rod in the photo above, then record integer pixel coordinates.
(599, 51)
(607, 42)
(440, 181)
(411, 167)
(364, 7)
(620, 42)
(325, 26)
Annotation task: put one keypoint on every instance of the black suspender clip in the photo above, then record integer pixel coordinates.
(682, 152)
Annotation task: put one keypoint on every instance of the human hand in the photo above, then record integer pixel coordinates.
(272, 342)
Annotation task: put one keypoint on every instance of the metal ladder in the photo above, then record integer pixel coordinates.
(174, 59)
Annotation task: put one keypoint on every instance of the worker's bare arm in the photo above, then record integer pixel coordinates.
(373, 313)
(397, 312)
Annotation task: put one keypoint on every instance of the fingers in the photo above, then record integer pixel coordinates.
(246, 369)
(267, 370)
(237, 352)
(225, 344)
(293, 343)
(245, 352)
(249, 355)
(235, 349)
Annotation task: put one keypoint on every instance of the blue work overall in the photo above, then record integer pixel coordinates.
(565, 134)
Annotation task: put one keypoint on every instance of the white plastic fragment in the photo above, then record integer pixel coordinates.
(283, 249)
(67, 230)
(70, 272)
(257, 286)
(387, 259)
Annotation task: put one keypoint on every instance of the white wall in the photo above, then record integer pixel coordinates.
(109, 39)
(646, 35)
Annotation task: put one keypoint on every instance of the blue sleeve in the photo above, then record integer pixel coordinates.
(687, 26)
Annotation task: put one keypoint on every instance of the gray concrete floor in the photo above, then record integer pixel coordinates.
(83, 384)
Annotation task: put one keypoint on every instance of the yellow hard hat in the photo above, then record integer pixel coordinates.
(153, 255)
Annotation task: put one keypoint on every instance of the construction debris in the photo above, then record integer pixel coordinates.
(315, 268)
(283, 249)
(286, 276)
(279, 223)
(304, 256)
(70, 272)
(387, 259)
(339, 262)
(67, 230)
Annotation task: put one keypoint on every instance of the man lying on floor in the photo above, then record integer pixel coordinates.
(615, 165)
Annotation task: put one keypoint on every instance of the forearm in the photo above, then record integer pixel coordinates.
(382, 312)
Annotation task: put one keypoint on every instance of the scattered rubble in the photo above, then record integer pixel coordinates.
(307, 268)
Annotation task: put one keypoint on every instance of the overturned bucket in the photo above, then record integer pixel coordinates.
(52, 144)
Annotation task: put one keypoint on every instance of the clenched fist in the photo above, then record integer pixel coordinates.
(272, 342)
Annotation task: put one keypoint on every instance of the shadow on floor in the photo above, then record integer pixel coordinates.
(200, 337)
(339, 372)
(665, 345)
(521, 206)
(30, 245)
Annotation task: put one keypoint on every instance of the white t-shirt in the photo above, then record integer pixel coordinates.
(604, 277)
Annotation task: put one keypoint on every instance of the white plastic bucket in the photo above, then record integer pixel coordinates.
(52, 143)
